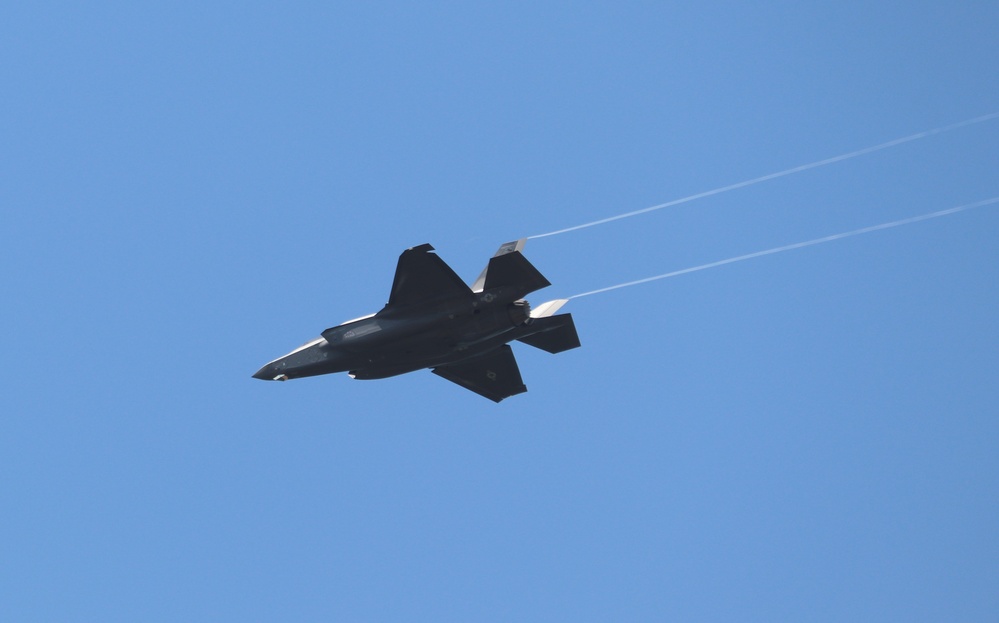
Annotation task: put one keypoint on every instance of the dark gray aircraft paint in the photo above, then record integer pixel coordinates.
(433, 320)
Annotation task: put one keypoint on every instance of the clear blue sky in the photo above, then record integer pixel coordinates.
(191, 189)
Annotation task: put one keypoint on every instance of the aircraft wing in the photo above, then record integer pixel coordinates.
(494, 375)
(422, 276)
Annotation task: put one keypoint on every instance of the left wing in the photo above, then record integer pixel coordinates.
(494, 375)
(421, 276)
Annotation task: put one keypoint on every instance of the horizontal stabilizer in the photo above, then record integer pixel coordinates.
(494, 375)
(515, 272)
(506, 247)
(554, 334)
(422, 276)
(548, 309)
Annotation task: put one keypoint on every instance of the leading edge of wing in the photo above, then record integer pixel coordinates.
(422, 276)
(494, 375)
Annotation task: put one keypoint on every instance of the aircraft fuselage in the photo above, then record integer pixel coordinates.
(433, 320)
(399, 340)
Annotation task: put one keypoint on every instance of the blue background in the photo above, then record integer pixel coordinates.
(191, 189)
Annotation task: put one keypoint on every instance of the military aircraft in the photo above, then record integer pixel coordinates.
(434, 320)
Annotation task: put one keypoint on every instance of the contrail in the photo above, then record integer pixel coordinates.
(797, 245)
(757, 180)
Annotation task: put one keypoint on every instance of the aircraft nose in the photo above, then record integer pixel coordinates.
(271, 372)
(266, 373)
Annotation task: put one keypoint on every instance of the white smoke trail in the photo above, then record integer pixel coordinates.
(797, 245)
(757, 180)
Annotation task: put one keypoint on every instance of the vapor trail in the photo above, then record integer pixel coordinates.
(797, 245)
(757, 180)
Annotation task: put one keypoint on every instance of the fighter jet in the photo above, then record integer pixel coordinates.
(434, 320)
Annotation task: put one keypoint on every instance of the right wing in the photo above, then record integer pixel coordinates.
(422, 276)
(494, 375)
